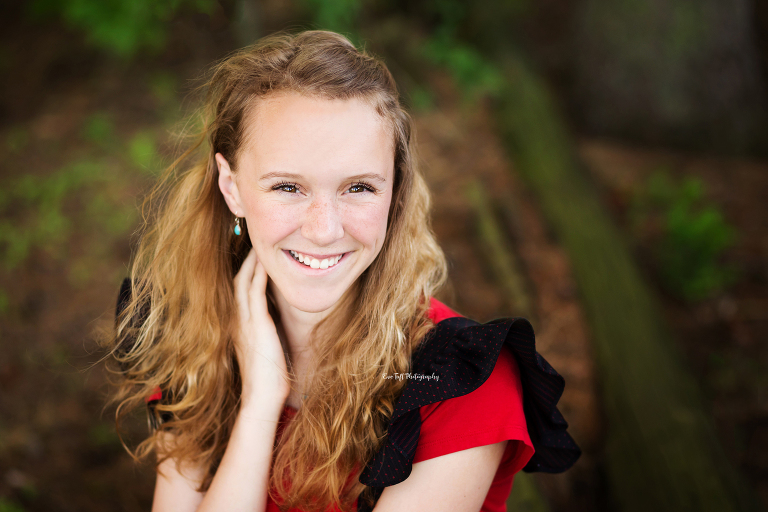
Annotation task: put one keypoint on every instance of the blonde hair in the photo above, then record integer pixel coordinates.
(176, 331)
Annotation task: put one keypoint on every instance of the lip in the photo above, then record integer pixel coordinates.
(316, 256)
(315, 271)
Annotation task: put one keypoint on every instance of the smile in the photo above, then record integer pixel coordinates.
(312, 262)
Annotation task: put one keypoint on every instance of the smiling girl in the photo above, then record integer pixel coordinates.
(287, 272)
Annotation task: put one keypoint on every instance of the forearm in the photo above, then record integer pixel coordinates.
(242, 478)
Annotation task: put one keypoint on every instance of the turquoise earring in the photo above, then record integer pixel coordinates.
(237, 226)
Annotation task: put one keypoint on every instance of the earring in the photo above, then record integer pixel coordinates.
(237, 226)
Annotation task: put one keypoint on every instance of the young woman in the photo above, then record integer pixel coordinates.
(280, 323)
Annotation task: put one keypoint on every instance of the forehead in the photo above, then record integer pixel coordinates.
(298, 132)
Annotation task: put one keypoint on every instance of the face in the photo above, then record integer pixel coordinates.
(314, 183)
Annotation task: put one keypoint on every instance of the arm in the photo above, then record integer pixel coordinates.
(175, 490)
(462, 442)
(457, 482)
(242, 478)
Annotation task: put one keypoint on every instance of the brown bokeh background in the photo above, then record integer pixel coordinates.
(662, 112)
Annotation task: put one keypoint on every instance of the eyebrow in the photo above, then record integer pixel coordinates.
(292, 176)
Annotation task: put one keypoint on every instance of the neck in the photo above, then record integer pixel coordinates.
(296, 329)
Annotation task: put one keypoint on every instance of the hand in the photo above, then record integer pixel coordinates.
(259, 353)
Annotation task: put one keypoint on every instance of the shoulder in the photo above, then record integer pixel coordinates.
(470, 381)
(502, 389)
(491, 413)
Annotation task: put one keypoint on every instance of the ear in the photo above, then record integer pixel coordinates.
(228, 186)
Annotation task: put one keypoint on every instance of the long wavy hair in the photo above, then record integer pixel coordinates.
(177, 329)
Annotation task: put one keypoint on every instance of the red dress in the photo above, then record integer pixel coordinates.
(444, 428)
(489, 371)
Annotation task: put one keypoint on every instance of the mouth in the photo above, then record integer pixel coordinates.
(312, 262)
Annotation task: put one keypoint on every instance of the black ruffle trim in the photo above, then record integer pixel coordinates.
(463, 353)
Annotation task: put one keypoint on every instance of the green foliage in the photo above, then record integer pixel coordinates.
(99, 129)
(526, 496)
(143, 151)
(474, 74)
(81, 198)
(122, 27)
(30, 491)
(9, 506)
(163, 86)
(47, 212)
(42, 200)
(421, 99)
(339, 15)
(103, 435)
(691, 236)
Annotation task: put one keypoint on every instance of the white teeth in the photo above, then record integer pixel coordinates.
(314, 263)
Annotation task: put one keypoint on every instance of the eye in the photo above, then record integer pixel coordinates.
(361, 187)
(284, 186)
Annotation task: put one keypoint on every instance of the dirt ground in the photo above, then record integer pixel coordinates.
(58, 449)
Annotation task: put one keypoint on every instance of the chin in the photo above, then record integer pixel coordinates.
(311, 301)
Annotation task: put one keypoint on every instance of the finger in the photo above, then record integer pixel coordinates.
(258, 290)
(242, 283)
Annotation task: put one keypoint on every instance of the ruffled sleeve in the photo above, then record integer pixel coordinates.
(463, 353)
(490, 414)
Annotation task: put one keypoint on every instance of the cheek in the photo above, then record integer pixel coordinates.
(270, 223)
(368, 224)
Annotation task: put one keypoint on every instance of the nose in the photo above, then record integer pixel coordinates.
(323, 222)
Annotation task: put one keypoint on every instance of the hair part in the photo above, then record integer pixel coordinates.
(177, 330)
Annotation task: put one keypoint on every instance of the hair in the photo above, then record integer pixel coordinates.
(177, 329)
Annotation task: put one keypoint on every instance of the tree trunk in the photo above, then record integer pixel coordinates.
(525, 495)
(497, 254)
(662, 452)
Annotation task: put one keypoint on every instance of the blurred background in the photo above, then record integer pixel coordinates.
(599, 167)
